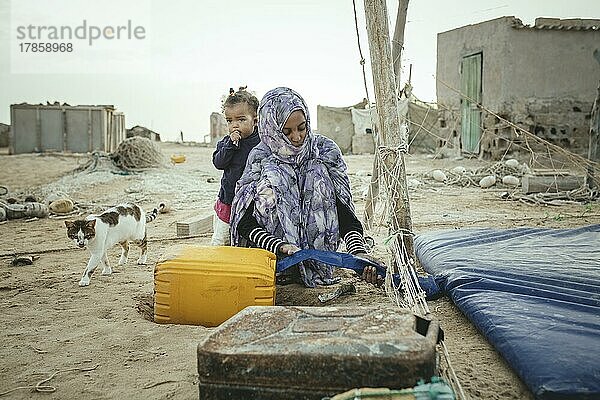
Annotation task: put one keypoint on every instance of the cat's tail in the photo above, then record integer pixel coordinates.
(152, 216)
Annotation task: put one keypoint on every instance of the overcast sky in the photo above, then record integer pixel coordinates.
(193, 51)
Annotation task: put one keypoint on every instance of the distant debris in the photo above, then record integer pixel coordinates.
(143, 132)
(567, 24)
(65, 104)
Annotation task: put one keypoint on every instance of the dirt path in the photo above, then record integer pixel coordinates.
(98, 339)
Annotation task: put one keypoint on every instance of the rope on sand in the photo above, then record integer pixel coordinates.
(151, 385)
(63, 249)
(41, 386)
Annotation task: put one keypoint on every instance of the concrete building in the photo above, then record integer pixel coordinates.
(143, 132)
(62, 127)
(4, 130)
(542, 77)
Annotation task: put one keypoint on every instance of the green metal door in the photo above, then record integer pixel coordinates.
(470, 115)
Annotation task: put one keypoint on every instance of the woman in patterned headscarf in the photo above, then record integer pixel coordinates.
(294, 193)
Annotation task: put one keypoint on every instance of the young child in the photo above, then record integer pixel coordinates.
(231, 154)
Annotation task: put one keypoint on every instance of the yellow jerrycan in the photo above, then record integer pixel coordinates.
(206, 285)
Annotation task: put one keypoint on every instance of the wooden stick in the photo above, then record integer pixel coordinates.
(594, 146)
(372, 195)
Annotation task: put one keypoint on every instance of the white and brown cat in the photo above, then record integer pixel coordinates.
(120, 224)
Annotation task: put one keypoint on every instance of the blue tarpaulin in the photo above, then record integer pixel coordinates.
(534, 293)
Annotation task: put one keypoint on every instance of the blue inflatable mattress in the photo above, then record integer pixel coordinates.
(534, 293)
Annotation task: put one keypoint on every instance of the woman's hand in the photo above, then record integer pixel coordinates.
(370, 274)
(288, 248)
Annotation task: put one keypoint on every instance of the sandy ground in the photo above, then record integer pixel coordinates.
(99, 342)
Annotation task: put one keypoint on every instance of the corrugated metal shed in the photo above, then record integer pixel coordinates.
(62, 127)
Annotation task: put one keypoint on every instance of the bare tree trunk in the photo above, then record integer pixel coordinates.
(389, 123)
(397, 45)
(398, 41)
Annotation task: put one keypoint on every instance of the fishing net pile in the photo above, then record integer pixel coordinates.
(133, 155)
(138, 153)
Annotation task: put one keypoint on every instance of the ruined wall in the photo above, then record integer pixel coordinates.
(564, 121)
(4, 134)
(561, 121)
(218, 127)
(423, 130)
(336, 124)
